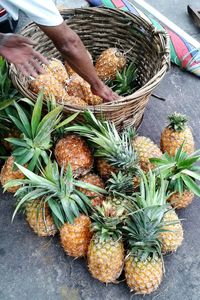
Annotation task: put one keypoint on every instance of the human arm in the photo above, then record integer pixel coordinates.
(74, 52)
(17, 50)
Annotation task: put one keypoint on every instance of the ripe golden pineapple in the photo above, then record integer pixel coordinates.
(106, 250)
(69, 69)
(8, 173)
(76, 237)
(109, 62)
(57, 69)
(94, 179)
(50, 85)
(74, 150)
(78, 87)
(146, 149)
(143, 276)
(75, 101)
(39, 218)
(173, 237)
(175, 134)
(105, 169)
(181, 200)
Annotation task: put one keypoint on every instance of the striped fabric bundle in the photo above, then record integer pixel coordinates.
(183, 53)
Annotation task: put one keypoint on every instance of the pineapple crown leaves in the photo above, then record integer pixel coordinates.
(120, 183)
(33, 145)
(153, 190)
(177, 121)
(142, 233)
(124, 83)
(107, 221)
(58, 188)
(180, 170)
(108, 143)
(7, 92)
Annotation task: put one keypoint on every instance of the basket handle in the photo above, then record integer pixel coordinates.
(165, 39)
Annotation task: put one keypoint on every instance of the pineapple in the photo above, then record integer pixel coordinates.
(120, 183)
(146, 149)
(109, 62)
(69, 69)
(94, 179)
(153, 193)
(57, 69)
(9, 173)
(182, 172)
(34, 144)
(106, 250)
(50, 86)
(173, 237)
(39, 218)
(143, 263)
(69, 207)
(73, 149)
(114, 150)
(74, 101)
(181, 200)
(80, 88)
(105, 169)
(175, 134)
(142, 229)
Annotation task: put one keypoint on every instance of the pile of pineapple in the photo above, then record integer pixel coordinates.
(71, 89)
(110, 196)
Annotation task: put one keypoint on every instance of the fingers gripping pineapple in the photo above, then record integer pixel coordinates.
(34, 142)
(68, 206)
(106, 250)
(74, 150)
(109, 62)
(175, 134)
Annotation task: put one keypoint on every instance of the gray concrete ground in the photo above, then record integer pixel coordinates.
(33, 268)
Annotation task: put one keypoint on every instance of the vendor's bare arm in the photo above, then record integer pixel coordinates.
(74, 52)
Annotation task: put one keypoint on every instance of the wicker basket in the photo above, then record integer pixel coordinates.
(99, 29)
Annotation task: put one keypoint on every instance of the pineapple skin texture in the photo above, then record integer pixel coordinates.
(173, 239)
(50, 86)
(146, 149)
(94, 179)
(179, 201)
(171, 140)
(7, 173)
(105, 169)
(40, 221)
(109, 62)
(76, 237)
(57, 69)
(143, 277)
(105, 259)
(75, 101)
(78, 87)
(74, 150)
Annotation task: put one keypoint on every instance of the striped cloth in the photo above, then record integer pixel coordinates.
(183, 53)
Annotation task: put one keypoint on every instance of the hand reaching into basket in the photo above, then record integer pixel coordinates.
(17, 50)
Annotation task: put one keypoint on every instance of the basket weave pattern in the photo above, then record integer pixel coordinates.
(99, 29)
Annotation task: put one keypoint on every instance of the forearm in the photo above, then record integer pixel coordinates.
(2, 38)
(73, 51)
